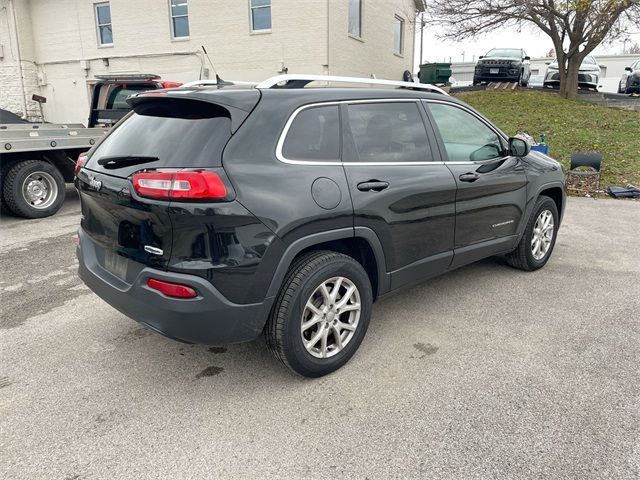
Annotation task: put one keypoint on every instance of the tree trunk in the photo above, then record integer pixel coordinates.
(569, 84)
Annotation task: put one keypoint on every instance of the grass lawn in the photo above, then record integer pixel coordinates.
(570, 126)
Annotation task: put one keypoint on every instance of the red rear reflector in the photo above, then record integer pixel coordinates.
(172, 289)
(199, 185)
(82, 159)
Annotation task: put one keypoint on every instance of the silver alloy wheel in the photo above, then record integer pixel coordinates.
(330, 317)
(542, 235)
(40, 190)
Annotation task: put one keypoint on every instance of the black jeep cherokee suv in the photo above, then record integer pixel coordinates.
(212, 215)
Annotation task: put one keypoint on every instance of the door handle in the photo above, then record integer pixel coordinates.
(372, 185)
(469, 177)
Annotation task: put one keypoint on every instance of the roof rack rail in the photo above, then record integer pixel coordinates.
(299, 81)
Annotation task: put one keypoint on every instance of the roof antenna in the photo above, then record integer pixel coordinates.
(219, 81)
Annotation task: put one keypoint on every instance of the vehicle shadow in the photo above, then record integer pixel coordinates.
(254, 367)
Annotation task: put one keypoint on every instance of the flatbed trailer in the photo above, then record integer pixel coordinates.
(36, 160)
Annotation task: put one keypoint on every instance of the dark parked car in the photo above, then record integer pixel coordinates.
(630, 81)
(213, 215)
(503, 65)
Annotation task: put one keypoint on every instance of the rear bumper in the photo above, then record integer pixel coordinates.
(208, 319)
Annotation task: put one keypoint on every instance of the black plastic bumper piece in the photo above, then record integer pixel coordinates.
(207, 319)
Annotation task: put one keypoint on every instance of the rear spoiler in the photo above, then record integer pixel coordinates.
(239, 103)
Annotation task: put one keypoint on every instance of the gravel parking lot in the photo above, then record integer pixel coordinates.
(486, 372)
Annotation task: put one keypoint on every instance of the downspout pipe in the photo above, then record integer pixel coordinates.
(20, 72)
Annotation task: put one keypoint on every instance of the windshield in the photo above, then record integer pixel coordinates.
(504, 52)
(589, 61)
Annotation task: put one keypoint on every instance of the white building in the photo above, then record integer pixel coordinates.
(54, 48)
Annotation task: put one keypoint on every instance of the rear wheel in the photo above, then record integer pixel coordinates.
(321, 314)
(539, 237)
(33, 189)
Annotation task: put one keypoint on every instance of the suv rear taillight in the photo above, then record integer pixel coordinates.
(181, 185)
(82, 159)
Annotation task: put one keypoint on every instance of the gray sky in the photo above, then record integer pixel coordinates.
(535, 44)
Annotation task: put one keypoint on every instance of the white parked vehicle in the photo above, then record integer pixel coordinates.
(588, 76)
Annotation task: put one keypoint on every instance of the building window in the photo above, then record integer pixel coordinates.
(398, 35)
(260, 13)
(103, 24)
(179, 18)
(355, 18)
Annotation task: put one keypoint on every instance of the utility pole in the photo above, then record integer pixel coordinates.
(421, 36)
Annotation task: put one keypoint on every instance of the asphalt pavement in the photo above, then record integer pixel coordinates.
(486, 372)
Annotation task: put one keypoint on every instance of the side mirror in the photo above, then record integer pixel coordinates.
(480, 57)
(547, 63)
(628, 69)
(527, 58)
(518, 147)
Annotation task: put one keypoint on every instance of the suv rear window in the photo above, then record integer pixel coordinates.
(181, 133)
(119, 93)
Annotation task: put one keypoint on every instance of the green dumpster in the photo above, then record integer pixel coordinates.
(435, 72)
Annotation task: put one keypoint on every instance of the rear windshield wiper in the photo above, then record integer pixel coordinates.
(119, 161)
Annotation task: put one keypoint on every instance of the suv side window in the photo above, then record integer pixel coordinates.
(386, 132)
(465, 137)
(314, 135)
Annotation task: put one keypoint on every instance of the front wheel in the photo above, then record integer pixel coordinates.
(539, 237)
(321, 314)
(33, 189)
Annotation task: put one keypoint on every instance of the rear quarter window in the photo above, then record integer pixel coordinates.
(314, 135)
(181, 133)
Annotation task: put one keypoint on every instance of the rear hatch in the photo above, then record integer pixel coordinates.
(129, 229)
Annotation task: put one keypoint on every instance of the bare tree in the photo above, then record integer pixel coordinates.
(634, 49)
(576, 27)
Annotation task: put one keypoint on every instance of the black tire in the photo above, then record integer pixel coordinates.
(4, 208)
(283, 329)
(620, 90)
(522, 257)
(13, 183)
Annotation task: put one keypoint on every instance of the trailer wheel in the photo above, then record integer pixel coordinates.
(33, 189)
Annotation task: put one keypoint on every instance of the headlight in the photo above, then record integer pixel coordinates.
(515, 63)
